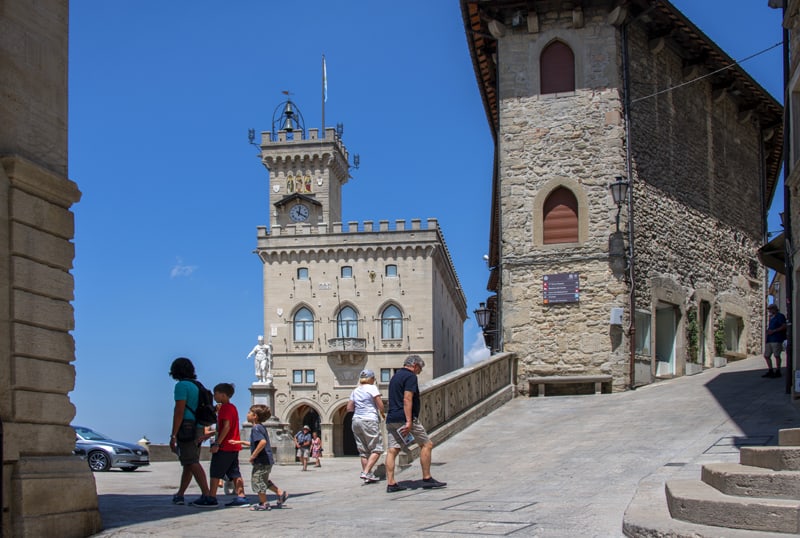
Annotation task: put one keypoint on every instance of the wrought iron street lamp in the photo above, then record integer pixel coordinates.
(619, 190)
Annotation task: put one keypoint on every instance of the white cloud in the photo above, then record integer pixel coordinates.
(478, 351)
(181, 270)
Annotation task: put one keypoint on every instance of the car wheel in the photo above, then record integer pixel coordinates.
(98, 461)
(129, 469)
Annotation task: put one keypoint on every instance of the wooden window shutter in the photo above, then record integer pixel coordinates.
(557, 68)
(560, 217)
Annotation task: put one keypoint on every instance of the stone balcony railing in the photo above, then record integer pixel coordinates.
(347, 350)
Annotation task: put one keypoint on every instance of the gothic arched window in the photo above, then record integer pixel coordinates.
(557, 68)
(303, 325)
(347, 323)
(391, 323)
(560, 222)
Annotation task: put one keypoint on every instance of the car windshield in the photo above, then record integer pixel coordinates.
(89, 435)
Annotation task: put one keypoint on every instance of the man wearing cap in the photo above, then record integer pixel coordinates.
(402, 420)
(773, 345)
(367, 407)
(302, 441)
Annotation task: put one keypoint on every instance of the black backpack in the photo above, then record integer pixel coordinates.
(206, 413)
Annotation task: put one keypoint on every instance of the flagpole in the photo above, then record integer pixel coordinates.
(324, 93)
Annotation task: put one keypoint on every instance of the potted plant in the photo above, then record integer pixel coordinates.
(692, 330)
(719, 344)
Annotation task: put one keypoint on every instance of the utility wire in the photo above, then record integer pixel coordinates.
(734, 64)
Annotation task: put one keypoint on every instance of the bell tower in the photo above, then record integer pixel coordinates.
(306, 170)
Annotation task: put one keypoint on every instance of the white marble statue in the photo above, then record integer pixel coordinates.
(263, 360)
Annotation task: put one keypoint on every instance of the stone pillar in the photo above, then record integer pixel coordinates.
(46, 490)
(35, 360)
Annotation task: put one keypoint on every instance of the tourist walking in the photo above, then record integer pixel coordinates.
(186, 435)
(262, 459)
(366, 405)
(402, 420)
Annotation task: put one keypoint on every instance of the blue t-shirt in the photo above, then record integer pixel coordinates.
(258, 433)
(776, 321)
(188, 391)
(403, 381)
(303, 438)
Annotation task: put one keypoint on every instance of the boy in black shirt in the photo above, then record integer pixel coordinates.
(261, 458)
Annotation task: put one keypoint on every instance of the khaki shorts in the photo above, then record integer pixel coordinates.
(417, 430)
(773, 348)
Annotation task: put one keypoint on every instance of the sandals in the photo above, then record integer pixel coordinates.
(260, 508)
(282, 499)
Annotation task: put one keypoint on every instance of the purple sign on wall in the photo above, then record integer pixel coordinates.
(561, 288)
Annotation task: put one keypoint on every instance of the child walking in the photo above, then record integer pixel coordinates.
(225, 448)
(262, 460)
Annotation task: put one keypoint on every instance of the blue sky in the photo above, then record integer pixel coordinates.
(162, 95)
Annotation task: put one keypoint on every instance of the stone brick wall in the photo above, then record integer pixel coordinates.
(697, 198)
(697, 193)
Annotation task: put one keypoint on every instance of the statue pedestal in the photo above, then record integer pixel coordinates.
(263, 392)
(280, 438)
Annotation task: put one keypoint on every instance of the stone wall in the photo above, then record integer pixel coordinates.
(46, 490)
(573, 140)
(697, 194)
(697, 199)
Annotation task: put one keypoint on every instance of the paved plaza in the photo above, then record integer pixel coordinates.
(563, 466)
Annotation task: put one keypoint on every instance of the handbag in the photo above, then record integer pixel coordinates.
(187, 431)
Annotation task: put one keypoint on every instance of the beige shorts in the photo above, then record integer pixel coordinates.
(417, 430)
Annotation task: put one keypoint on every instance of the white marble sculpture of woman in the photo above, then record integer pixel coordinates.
(263, 359)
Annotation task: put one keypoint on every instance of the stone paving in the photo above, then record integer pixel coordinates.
(551, 467)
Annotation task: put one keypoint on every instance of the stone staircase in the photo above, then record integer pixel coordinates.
(761, 493)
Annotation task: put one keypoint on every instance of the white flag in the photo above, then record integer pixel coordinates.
(324, 80)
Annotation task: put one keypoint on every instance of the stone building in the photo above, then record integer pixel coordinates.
(36, 253)
(341, 297)
(581, 95)
(788, 255)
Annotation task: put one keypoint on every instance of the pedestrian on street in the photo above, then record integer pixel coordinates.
(185, 438)
(402, 419)
(773, 344)
(302, 441)
(366, 405)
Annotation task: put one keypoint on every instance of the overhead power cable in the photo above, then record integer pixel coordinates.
(734, 64)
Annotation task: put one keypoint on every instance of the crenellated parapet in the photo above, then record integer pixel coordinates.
(288, 148)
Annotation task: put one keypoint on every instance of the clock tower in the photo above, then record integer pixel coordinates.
(306, 170)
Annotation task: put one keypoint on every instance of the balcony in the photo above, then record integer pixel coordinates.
(347, 350)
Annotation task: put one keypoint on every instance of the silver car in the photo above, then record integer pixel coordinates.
(103, 453)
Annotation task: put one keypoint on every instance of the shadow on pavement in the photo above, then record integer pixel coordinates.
(759, 406)
(122, 510)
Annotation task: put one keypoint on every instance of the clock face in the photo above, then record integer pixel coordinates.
(298, 213)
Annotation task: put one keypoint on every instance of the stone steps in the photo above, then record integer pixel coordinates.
(778, 458)
(747, 481)
(760, 493)
(697, 502)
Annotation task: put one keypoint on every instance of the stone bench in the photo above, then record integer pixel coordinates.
(541, 381)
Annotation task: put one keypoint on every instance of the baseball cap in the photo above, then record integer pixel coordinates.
(366, 374)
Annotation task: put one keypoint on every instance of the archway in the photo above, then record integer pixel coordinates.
(344, 444)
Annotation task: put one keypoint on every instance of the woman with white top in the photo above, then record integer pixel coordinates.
(367, 408)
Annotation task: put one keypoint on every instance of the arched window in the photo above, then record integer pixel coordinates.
(347, 323)
(303, 325)
(557, 68)
(391, 323)
(560, 223)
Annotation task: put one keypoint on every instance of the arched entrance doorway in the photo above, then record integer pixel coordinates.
(304, 415)
(344, 444)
